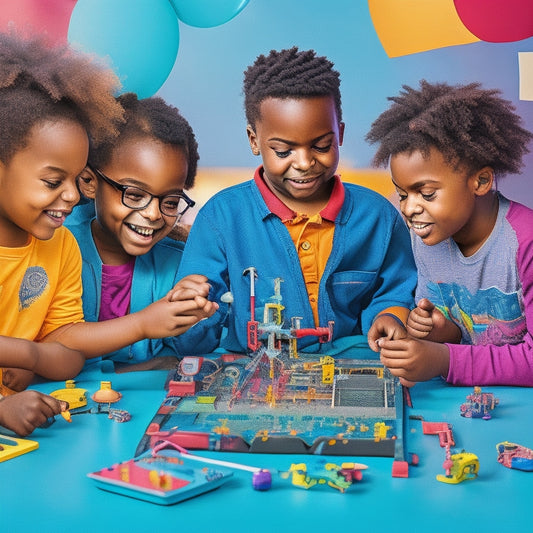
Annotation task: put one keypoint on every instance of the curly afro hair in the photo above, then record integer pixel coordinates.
(289, 73)
(150, 117)
(472, 127)
(41, 82)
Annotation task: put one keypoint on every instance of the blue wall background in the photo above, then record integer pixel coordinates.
(205, 82)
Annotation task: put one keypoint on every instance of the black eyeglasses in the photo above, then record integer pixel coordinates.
(172, 205)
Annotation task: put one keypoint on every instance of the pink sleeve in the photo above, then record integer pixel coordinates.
(508, 364)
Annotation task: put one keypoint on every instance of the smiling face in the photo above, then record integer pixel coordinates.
(439, 201)
(298, 140)
(38, 183)
(120, 232)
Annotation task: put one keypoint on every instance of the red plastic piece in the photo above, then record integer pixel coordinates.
(400, 469)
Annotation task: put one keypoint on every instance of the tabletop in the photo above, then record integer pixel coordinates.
(47, 490)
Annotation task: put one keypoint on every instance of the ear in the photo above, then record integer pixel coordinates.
(483, 181)
(341, 133)
(88, 183)
(252, 139)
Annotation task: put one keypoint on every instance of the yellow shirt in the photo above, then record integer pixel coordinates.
(40, 286)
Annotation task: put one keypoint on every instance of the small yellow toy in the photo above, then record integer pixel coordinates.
(459, 467)
(73, 396)
(338, 477)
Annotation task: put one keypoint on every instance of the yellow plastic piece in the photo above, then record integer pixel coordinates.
(13, 447)
(74, 396)
(465, 466)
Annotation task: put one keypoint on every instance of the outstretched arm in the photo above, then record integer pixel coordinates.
(164, 318)
(49, 360)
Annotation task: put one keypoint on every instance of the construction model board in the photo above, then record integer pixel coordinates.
(282, 403)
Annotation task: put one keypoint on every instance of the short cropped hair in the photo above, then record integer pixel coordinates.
(289, 73)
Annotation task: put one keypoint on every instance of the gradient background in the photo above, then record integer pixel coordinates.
(173, 49)
(206, 81)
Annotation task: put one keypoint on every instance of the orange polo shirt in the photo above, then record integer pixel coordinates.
(313, 238)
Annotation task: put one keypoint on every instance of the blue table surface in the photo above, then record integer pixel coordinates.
(47, 490)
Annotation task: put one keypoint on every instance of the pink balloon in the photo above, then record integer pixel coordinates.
(38, 16)
(497, 21)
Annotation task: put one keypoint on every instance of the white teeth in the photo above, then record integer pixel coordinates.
(55, 214)
(418, 226)
(142, 231)
(303, 181)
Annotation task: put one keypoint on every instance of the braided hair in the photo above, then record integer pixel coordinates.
(289, 73)
(472, 127)
(41, 82)
(153, 118)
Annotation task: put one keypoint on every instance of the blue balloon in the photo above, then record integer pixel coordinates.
(141, 38)
(207, 13)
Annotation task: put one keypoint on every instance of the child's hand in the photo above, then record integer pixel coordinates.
(189, 287)
(166, 318)
(25, 411)
(414, 359)
(427, 322)
(384, 326)
(194, 287)
(420, 321)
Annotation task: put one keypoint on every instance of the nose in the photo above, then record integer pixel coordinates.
(70, 193)
(410, 206)
(152, 211)
(303, 159)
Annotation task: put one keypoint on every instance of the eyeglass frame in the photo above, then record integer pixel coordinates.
(122, 188)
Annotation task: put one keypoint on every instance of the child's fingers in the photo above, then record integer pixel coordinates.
(185, 293)
(193, 278)
(54, 407)
(196, 282)
(426, 305)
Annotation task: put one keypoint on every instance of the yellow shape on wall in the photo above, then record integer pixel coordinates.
(411, 26)
(525, 63)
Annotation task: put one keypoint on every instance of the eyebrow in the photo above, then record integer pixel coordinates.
(53, 168)
(131, 182)
(291, 143)
(418, 184)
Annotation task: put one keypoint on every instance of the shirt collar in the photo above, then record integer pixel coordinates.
(278, 208)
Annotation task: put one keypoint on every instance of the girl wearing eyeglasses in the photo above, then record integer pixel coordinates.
(135, 184)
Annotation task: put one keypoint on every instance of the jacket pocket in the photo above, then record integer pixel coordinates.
(349, 289)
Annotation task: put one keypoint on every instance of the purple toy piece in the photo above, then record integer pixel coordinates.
(262, 480)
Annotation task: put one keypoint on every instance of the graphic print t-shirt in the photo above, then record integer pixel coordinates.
(481, 293)
(40, 286)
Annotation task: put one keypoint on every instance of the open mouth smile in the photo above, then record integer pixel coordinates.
(142, 230)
